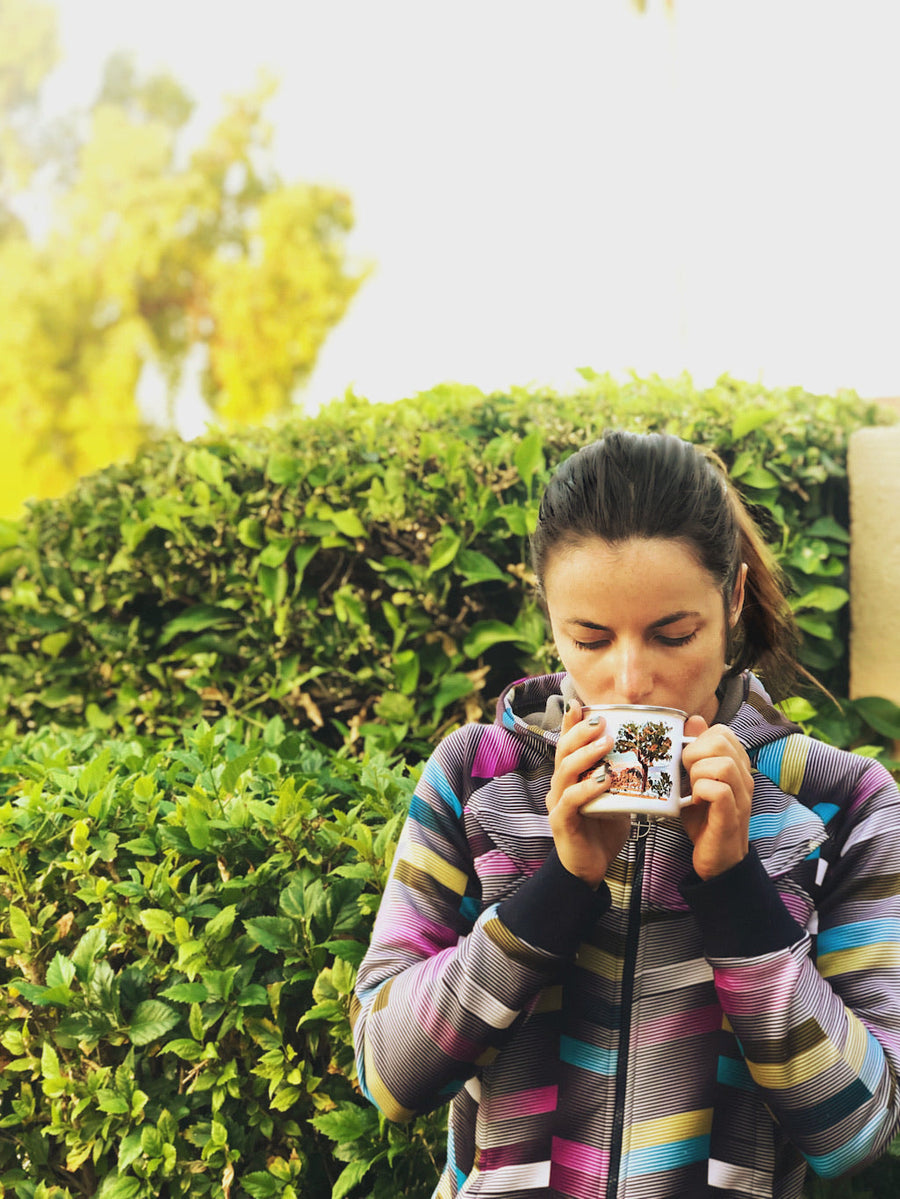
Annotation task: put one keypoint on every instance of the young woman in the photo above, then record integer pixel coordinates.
(617, 1008)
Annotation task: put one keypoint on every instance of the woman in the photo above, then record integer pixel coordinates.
(691, 1007)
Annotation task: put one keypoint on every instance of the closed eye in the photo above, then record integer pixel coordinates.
(675, 641)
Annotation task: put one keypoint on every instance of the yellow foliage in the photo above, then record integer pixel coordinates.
(150, 255)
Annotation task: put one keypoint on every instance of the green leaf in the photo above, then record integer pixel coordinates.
(476, 567)
(60, 972)
(196, 822)
(186, 1048)
(260, 1184)
(797, 709)
(200, 616)
(486, 633)
(880, 714)
(151, 1020)
(220, 926)
(114, 1186)
(751, 419)
(283, 469)
(444, 550)
(158, 921)
(348, 523)
(186, 993)
(19, 926)
(271, 932)
(824, 598)
(351, 1175)
(529, 457)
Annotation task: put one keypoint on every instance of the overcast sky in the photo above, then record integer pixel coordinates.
(555, 184)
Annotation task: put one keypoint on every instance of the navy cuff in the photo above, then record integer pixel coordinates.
(740, 913)
(553, 909)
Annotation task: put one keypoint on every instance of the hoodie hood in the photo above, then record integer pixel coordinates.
(533, 708)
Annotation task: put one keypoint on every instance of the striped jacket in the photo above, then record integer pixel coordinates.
(661, 1037)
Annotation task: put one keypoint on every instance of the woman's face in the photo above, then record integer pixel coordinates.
(639, 622)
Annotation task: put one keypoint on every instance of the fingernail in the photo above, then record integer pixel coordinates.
(600, 773)
(595, 719)
(567, 705)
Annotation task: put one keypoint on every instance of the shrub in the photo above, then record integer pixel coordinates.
(180, 927)
(362, 572)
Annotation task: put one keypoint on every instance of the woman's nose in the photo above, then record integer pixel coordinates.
(634, 676)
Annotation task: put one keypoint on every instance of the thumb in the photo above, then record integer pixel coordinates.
(694, 726)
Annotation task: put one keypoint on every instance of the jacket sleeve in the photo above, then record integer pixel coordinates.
(817, 1012)
(444, 984)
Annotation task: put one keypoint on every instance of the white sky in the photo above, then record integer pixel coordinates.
(564, 183)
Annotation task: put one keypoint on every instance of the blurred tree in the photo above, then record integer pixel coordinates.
(149, 253)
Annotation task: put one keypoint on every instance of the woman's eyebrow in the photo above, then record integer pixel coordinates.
(673, 618)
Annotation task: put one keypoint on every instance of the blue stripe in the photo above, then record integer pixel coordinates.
(826, 811)
(666, 1157)
(469, 908)
(832, 1165)
(588, 1057)
(864, 932)
(770, 824)
(769, 759)
(435, 777)
(734, 1073)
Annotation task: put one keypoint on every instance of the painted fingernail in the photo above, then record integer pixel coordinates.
(594, 720)
(601, 773)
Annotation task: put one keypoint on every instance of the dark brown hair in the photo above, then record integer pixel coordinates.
(642, 485)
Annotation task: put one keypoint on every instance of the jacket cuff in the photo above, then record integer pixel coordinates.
(740, 912)
(553, 909)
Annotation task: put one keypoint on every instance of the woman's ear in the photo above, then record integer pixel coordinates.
(737, 598)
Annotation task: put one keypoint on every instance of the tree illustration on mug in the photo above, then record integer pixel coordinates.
(648, 742)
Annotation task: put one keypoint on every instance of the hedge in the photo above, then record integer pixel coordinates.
(181, 922)
(363, 572)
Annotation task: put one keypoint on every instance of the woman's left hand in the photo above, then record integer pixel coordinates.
(718, 819)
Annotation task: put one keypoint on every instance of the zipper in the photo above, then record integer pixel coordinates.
(639, 831)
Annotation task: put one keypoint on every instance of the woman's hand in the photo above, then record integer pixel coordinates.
(718, 819)
(586, 844)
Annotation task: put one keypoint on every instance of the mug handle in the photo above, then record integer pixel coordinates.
(688, 799)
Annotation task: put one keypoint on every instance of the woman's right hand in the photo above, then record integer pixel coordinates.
(585, 844)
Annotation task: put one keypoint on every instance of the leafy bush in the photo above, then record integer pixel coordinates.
(179, 929)
(361, 572)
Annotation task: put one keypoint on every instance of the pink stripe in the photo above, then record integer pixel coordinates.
(755, 991)
(495, 862)
(497, 753)
(432, 1022)
(522, 1103)
(407, 931)
(681, 1024)
(871, 782)
(571, 1155)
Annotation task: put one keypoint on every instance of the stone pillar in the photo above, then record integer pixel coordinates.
(874, 470)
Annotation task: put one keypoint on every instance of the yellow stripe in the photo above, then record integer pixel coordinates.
(883, 956)
(793, 764)
(799, 1069)
(427, 860)
(598, 961)
(857, 1043)
(549, 1000)
(382, 1096)
(681, 1127)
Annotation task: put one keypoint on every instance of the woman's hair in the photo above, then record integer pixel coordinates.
(642, 485)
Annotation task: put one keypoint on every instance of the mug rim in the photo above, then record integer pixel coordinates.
(633, 708)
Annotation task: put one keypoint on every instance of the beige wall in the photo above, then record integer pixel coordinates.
(874, 468)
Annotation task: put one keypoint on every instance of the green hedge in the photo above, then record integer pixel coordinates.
(180, 924)
(362, 572)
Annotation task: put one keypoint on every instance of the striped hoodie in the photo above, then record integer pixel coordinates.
(660, 1037)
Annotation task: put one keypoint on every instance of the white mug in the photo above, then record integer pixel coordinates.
(644, 763)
